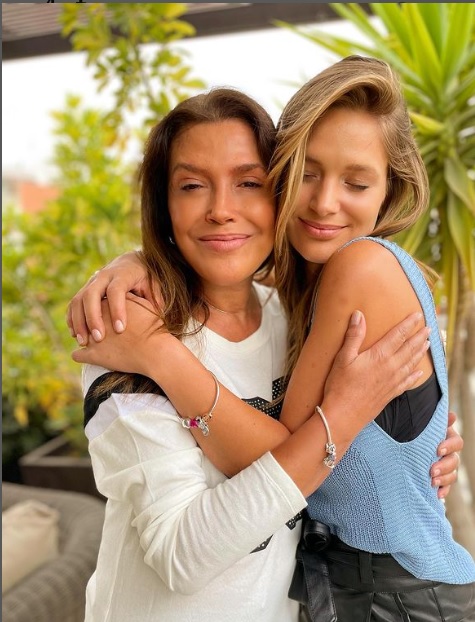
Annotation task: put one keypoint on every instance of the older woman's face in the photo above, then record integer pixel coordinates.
(344, 185)
(221, 207)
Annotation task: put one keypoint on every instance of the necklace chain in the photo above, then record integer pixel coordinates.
(217, 308)
(222, 310)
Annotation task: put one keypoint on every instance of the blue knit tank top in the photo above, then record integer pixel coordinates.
(379, 497)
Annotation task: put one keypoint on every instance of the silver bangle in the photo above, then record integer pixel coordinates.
(201, 421)
(330, 448)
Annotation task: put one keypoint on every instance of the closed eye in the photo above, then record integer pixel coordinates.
(310, 176)
(357, 187)
(189, 187)
(251, 184)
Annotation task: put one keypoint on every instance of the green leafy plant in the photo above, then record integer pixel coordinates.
(432, 46)
(132, 48)
(45, 259)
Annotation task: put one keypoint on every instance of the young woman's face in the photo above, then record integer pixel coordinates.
(344, 184)
(221, 207)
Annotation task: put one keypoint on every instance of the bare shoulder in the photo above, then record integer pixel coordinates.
(365, 266)
(367, 276)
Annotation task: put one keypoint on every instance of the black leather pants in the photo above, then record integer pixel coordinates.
(342, 584)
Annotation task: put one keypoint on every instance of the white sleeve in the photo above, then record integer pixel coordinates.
(190, 532)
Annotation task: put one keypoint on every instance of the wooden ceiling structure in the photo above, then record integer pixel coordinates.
(33, 29)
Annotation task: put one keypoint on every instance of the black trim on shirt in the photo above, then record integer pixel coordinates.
(92, 400)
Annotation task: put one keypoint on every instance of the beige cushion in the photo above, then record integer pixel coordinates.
(29, 539)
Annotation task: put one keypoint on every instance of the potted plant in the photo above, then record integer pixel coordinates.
(55, 464)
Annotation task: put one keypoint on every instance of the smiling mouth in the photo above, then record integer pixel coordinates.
(224, 242)
(319, 231)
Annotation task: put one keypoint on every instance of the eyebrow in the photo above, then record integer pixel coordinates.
(241, 168)
(355, 168)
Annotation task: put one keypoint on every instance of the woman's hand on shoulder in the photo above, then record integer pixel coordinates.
(361, 382)
(355, 278)
(124, 274)
(133, 349)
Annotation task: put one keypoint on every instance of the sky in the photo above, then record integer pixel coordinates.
(268, 65)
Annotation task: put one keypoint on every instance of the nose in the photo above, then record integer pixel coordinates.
(221, 207)
(325, 199)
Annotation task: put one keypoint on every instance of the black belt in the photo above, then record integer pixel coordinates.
(323, 560)
(368, 572)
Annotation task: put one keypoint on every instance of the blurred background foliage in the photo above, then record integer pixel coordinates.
(46, 257)
(150, 79)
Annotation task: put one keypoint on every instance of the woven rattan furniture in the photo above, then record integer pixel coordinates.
(55, 592)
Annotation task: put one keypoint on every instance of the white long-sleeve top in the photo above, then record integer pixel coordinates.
(181, 542)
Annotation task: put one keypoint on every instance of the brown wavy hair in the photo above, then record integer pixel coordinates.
(179, 284)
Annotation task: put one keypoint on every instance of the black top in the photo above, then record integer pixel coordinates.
(408, 414)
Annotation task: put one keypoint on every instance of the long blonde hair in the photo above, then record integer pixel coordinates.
(357, 83)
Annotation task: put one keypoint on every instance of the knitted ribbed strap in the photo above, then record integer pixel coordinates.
(418, 282)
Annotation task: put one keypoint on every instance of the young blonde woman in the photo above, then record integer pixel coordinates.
(346, 151)
(366, 169)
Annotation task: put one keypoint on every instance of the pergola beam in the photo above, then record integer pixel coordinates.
(30, 30)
